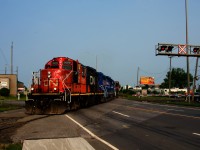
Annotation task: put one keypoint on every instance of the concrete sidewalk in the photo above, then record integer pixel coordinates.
(77, 143)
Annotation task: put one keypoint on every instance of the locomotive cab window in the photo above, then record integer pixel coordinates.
(67, 65)
(55, 64)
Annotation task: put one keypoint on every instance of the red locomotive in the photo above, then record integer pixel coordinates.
(65, 84)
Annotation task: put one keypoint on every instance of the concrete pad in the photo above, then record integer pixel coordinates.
(77, 143)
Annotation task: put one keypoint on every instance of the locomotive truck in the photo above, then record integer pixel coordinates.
(65, 84)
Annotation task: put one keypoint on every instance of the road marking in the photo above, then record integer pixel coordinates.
(148, 103)
(175, 109)
(161, 112)
(121, 114)
(166, 113)
(92, 134)
(196, 134)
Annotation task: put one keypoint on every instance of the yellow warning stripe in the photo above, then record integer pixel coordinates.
(76, 94)
(82, 94)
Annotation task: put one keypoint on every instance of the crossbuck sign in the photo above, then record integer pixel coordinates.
(182, 49)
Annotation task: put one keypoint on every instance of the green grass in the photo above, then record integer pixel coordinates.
(6, 107)
(14, 146)
(22, 97)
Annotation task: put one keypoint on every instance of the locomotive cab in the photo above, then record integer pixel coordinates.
(56, 77)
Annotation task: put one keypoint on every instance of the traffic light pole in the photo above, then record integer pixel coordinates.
(170, 73)
(195, 78)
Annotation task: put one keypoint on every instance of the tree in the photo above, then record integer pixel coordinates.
(4, 92)
(178, 79)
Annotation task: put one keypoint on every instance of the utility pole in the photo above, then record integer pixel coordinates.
(17, 77)
(96, 62)
(5, 69)
(187, 58)
(11, 59)
(195, 78)
(138, 76)
(170, 73)
(17, 72)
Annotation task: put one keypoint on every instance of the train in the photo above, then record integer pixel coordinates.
(65, 84)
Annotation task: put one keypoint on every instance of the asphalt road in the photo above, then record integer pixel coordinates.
(132, 125)
(117, 124)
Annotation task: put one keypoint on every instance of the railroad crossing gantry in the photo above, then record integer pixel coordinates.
(180, 50)
(177, 50)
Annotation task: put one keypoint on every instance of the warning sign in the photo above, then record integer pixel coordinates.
(182, 49)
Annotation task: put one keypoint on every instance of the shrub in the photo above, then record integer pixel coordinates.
(4, 92)
(129, 92)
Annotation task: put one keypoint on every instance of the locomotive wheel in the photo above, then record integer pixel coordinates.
(75, 104)
(84, 103)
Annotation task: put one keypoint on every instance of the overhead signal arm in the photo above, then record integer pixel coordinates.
(177, 50)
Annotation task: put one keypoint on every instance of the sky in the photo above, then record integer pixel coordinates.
(117, 36)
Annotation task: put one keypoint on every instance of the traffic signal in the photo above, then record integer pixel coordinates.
(195, 50)
(169, 48)
(165, 48)
(162, 48)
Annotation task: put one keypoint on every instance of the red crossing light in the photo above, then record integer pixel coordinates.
(163, 48)
(166, 48)
(169, 48)
(195, 50)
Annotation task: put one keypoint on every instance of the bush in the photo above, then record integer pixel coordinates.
(4, 92)
(129, 92)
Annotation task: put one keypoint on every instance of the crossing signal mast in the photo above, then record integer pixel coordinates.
(183, 50)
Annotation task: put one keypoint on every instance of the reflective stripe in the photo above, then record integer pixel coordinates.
(77, 94)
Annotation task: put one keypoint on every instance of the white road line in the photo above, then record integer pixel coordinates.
(92, 134)
(196, 134)
(120, 114)
(176, 110)
(190, 108)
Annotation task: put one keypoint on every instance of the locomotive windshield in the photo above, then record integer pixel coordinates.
(55, 64)
(67, 65)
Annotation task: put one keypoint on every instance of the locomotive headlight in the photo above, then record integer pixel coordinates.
(32, 89)
(55, 89)
(49, 74)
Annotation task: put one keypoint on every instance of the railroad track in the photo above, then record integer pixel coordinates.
(6, 123)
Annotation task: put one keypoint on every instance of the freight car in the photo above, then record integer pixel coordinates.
(66, 84)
